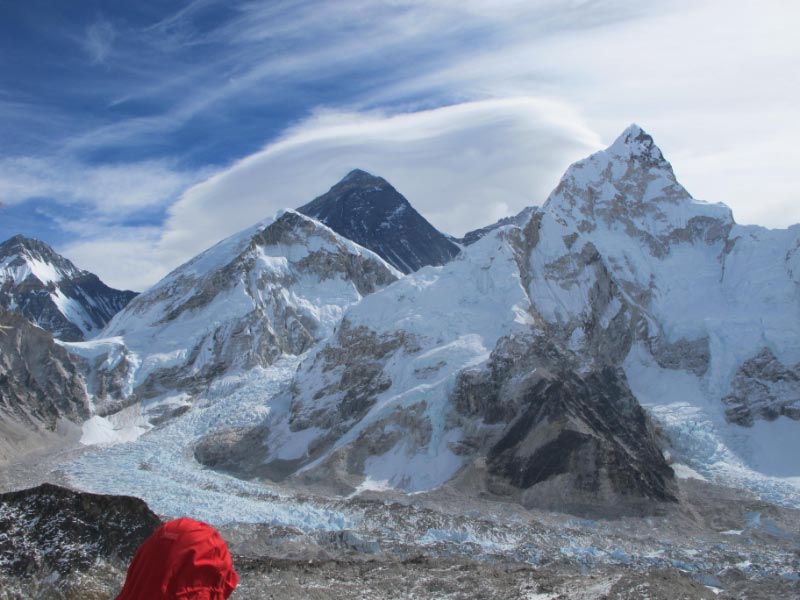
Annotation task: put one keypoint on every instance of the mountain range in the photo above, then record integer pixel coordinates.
(559, 358)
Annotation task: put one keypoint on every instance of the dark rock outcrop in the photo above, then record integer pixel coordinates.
(764, 388)
(571, 441)
(51, 529)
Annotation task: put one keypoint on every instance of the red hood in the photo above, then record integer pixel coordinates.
(183, 559)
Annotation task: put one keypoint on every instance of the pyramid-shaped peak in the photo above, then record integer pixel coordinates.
(635, 142)
(20, 240)
(369, 211)
(358, 177)
(358, 174)
(19, 244)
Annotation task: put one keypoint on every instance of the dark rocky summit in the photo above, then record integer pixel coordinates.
(369, 211)
(71, 305)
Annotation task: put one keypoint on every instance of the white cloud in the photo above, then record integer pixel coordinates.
(462, 167)
(111, 190)
(123, 257)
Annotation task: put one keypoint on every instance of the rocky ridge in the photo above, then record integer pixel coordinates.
(42, 392)
(55, 542)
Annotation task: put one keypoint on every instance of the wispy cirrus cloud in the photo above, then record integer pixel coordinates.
(113, 190)
(99, 40)
(452, 101)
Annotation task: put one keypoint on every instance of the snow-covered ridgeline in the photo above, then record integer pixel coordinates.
(275, 288)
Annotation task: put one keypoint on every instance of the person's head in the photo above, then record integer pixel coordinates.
(183, 559)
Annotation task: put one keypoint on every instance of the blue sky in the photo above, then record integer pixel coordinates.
(136, 134)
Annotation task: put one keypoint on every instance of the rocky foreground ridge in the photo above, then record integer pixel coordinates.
(58, 543)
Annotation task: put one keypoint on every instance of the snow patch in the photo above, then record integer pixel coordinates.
(686, 472)
(120, 428)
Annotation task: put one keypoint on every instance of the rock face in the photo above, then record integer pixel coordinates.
(510, 369)
(276, 288)
(51, 292)
(40, 385)
(369, 211)
(50, 529)
(571, 442)
(764, 388)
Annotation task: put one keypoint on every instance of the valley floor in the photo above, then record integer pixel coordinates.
(719, 542)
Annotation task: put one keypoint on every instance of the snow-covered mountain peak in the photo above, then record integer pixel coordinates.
(636, 143)
(51, 292)
(290, 228)
(282, 248)
(22, 257)
(631, 187)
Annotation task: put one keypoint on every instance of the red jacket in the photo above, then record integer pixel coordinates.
(183, 559)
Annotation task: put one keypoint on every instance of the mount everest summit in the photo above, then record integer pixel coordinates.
(369, 211)
(560, 354)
